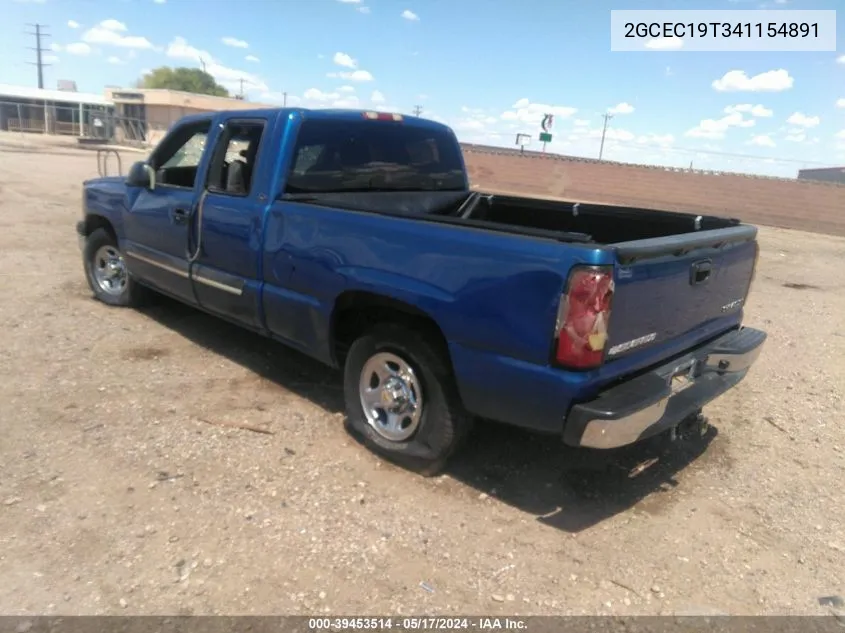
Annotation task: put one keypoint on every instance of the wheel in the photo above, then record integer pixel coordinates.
(106, 271)
(401, 399)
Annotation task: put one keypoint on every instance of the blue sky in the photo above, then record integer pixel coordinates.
(489, 68)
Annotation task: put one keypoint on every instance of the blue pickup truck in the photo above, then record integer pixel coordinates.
(355, 238)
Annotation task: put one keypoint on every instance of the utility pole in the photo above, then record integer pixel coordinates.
(607, 118)
(38, 33)
(417, 110)
(202, 63)
(242, 87)
(284, 99)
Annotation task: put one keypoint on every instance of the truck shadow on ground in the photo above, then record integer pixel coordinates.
(574, 489)
(569, 489)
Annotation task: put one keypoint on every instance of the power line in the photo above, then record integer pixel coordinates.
(417, 110)
(39, 61)
(607, 118)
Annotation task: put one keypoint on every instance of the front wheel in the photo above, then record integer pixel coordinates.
(106, 272)
(401, 399)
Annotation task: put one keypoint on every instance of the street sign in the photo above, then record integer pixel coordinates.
(545, 137)
(548, 121)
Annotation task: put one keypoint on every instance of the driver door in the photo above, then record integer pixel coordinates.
(158, 220)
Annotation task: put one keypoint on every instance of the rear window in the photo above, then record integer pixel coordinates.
(346, 156)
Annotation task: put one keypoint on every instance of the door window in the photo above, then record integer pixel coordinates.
(234, 160)
(177, 159)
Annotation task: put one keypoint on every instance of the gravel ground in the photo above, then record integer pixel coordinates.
(124, 492)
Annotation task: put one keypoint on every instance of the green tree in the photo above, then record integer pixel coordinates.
(184, 79)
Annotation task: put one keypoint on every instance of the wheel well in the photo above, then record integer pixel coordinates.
(94, 222)
(357, 312)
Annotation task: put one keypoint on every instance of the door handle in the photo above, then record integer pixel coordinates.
(180, 216)
(700, 272)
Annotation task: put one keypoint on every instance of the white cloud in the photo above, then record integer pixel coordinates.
(314, 97)
(665, 43)
(159, 1)
(840, 103)
(363, 9)
(113, 25)
(410, 15)
(523, 111)
(753, 110)
(226, 76)
(612, 134)
(114, 60)
(315, 94)
(662, 140)
(108, 32)
(234, 42)
(51, 59)
(342, 59)
(716, 128)
(355, 75)
(622, 108)
(762, 140)
(350, 1)
(377, 97)
(73, 24)
(840, 134)
(802, 120)
(78, 48)
(796, 137)
(841, 59)
(346, 89)
(739, 81)
(581, 123)
(252, 58)
(55, 47)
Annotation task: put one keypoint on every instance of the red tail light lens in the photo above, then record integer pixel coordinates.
(583, 317)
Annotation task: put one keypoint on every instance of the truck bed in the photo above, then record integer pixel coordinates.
(601, 224)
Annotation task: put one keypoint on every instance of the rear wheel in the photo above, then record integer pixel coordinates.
(401, 399)
(105, 270)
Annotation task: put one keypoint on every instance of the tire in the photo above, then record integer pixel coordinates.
(439, 426)
(102, 258)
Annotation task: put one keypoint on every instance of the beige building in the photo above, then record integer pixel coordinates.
(145, 114)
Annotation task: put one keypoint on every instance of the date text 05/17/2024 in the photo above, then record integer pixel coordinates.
(731, 30)
(417, 624)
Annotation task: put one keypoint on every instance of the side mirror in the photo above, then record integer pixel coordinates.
(141, 175)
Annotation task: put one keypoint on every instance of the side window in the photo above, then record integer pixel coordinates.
(178, 157)
(233, 163)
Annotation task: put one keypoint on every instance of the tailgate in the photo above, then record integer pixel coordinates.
(670, 286)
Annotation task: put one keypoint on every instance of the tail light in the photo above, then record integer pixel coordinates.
(583, 317)
(382, 116)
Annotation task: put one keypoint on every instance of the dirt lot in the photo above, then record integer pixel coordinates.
(116, 497)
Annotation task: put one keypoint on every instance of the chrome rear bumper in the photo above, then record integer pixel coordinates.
(659, 399)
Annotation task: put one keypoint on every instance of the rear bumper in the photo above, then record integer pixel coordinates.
(657, 400)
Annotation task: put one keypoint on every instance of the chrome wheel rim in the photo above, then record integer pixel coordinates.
(391, 396)
(109, 270)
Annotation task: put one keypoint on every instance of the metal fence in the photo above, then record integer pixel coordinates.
(86, 121)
